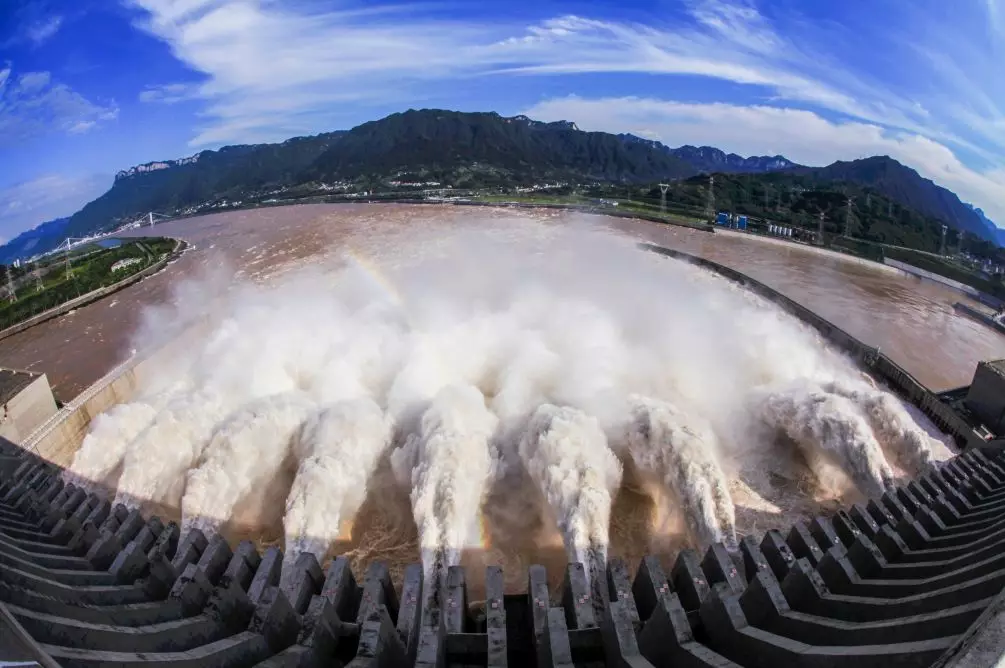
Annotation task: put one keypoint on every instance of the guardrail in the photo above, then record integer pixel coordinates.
(39, 433)
(867, 356)
(32, 440)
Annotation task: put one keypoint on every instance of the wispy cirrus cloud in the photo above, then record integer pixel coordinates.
(169, 93)
(271, 70)
(32, 104)
(251, 50)
(42, 30)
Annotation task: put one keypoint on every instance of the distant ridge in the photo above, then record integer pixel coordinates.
(905, 185)
(39, 239)
(709, 159)
(477, 150)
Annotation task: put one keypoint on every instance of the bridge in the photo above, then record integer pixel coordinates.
(148, 219)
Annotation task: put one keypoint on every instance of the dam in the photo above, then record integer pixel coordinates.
(589, 612)
(885, 308)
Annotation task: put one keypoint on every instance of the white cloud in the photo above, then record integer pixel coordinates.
(27, 204)
(802, 136)
(41, 31)
(33, 104)
(169, 93)
(271, 70)
(253, 52)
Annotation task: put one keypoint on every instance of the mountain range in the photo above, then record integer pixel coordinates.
(479, 150)
(999, 234)
(904, 185)
(709, 160)
(40, 238)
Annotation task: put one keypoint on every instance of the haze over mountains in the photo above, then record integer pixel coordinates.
(467, 150)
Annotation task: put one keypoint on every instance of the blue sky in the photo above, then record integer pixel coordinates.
(88, 87)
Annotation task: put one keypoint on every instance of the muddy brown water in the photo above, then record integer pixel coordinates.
(911, 320)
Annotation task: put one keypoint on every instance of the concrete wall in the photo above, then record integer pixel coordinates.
(29, 408)
(62, 440)
(869, 357)
(986, 397)
(968, 290)
(59, 438)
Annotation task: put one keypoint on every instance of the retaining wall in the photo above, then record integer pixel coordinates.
(59, 438)
(909, 579)
(867, 356)
(28, 409)
(968, 290)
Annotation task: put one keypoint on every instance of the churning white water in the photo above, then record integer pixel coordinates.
(678, 453)
(509, 350)
(338, 451)
(565, 452)
(447, 464)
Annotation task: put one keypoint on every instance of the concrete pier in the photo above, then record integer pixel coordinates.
(912, 578)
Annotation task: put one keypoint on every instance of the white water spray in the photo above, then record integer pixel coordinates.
(447, 465)
(158, 459)
(508, 312)
(830, 426)
(566, 454)
(893, 425)
(337, 450)
(245, 452)
(680, 452)
(98, 462)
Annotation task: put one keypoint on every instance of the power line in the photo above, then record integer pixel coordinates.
(710, 201)
(10, 287)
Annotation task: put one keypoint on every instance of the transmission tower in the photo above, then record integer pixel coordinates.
(12, 296)
(942, 246)
(663, 198)
(710, 201)
(847, 219)
(37, 275)
(66, 260)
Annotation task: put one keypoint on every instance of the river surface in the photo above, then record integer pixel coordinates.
(911, 320)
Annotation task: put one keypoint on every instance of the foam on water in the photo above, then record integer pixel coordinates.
(508, 351)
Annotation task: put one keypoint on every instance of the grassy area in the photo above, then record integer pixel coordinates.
(623, 206)
(88, 272)
(571, 200)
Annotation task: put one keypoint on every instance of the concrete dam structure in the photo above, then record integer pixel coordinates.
(912, 578)
(910, 575)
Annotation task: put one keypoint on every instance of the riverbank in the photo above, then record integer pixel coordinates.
(867, 356)
(95, 295)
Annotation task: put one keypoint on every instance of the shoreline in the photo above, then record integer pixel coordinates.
(96, 295)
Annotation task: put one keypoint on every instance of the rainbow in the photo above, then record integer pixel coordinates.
(373, 272)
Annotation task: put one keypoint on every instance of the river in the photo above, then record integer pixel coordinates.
(911, 320)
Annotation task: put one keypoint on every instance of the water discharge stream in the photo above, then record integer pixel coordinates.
(550, 369)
